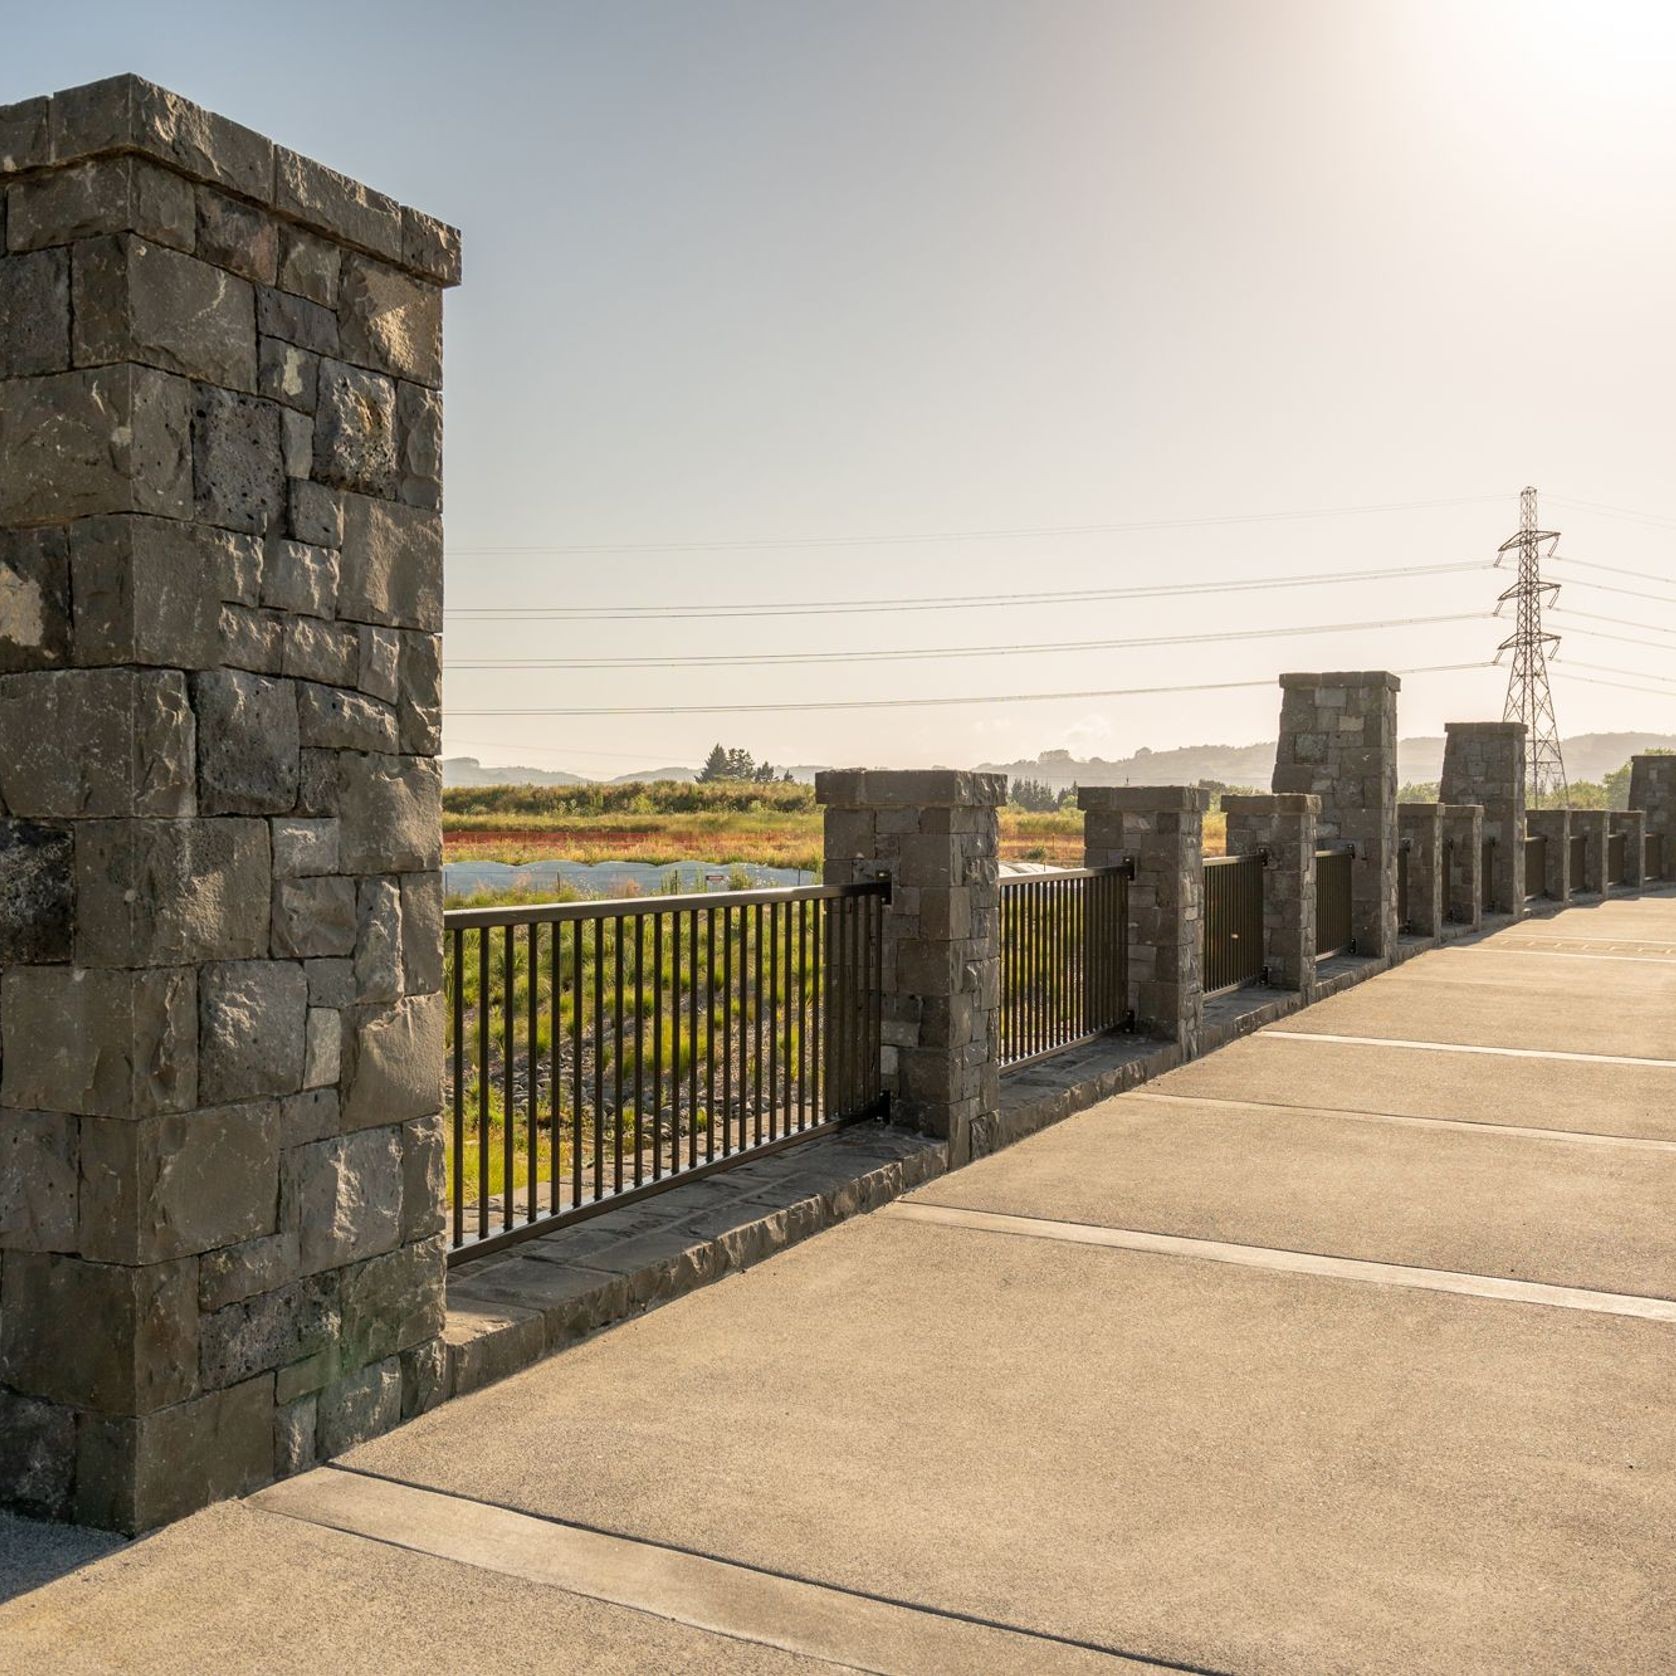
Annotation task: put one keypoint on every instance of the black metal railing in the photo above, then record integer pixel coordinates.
(603, 1050)
(1652, 856)
(1617, 858)
(1579, 860)
(1233, 953)
(1536, 864)
(1404, 917)
(1332, 902)
(1064, 959)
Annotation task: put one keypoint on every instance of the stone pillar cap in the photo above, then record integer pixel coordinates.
(1344, 678)
(909, 788)
(1141, 799)
(1494, 729)
(127, 116)
(1274, 803)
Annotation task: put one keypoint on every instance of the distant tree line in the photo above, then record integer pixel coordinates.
(725, 763)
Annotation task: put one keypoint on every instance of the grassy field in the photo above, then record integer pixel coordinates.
(773, 826)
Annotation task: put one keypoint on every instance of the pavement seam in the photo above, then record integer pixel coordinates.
(1574, 954)
(397, 1512)
(1280, 1260)
(1273, 1034)
(1588, 1137)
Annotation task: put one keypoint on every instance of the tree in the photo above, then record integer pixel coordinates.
(1033, 795)
(715, 765)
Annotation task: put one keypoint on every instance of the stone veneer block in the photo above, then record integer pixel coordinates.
(1484, 763)
(221, 1009)
(1338, 740)
(1159, 832)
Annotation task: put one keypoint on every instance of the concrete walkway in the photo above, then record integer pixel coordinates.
(1346, 1349)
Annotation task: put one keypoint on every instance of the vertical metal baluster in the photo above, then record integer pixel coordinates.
(599, 1058)
(482, 1081)
(458, 1195)
(773, 1016)
(877, 1088)
(576, 1008)
(555, 1074)
(710, 1034)
(509, 1111)
(756, 1022)
(836, 1007)
(657, 1047)
(852, 1007)
(639, 1040)
(530, 1058)
(817, 1042)
(617, 929)
(782, 1014)
(692, 1026)
(802, 1015)
(1003, 909)
(709, 1150)
(675, 1058)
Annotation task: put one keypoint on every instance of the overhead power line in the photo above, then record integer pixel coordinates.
(942, 602)
(754, 659)
(910, 703)
(1611, 669)
(1622, 686)
(1004, 533)
(1612, 569)
(1619, 622)
(1621, 639)
(1656, 519)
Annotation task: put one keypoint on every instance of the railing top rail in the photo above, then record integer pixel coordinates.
(1336, 849)
(625, 907)
(1232, 860)
(1122, 871)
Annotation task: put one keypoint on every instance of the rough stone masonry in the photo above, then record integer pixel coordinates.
(1338, 741)
(221, 1025)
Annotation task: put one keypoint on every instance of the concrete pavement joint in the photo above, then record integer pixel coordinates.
(1282, 1261)
(1573, 954)
(840, 1626)
(1460, 1047)
(1588, 1137)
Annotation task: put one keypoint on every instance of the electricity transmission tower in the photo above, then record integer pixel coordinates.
(1528, 698)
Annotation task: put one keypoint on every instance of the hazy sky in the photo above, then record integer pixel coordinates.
(788, 274)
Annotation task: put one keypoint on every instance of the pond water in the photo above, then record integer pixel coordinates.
(613, 878)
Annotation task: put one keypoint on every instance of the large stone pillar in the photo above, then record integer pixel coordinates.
(936, 836)
(1282, 829)
(221, 1023)
(1554, 827)
(1420, 836)
(1463, 855)
(1652, 789)
(1484, 762)
(1160, 831)
(1338, 740)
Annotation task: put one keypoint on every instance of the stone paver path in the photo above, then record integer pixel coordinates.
(1346, 1349)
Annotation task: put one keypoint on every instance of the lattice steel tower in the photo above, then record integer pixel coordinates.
(1528, 697)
